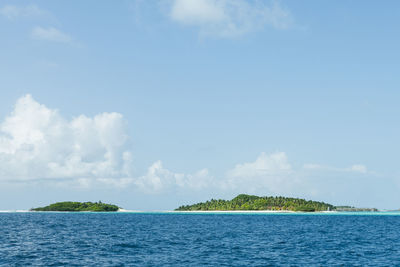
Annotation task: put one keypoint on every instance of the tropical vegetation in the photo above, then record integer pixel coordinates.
(78, 206)
(251, 202)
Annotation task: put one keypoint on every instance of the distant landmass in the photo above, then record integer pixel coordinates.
(349, 208)
(78, 206)
(250, 202)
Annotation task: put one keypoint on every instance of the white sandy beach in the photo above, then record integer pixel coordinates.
(15, 211)
(234, 211)
(124, 210)
(248, 211)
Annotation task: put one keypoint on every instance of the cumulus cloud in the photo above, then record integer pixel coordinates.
(273, 174)
(50, 34)
(13, 12)
(268, 173)
(159, 179)
(36, 142)
(228, 18)
(263, 165)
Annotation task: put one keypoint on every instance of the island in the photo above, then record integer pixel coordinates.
(251, 202)
(354, 209)
(78, 206)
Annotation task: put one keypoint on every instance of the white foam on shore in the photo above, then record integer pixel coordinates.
(124, 210)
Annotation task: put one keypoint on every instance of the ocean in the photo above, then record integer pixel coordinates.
(179, 239)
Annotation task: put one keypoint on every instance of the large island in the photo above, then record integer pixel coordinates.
(250, 202)
(78, 206)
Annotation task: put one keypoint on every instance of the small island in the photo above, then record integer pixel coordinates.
(250, 202)
(78, 206)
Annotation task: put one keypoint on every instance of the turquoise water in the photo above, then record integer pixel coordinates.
(217, 239)
(359, 213)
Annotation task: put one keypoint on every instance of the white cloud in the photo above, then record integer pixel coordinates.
(263, 165)
(38, 143)
(271, 173)
(354, 168)
(198, 12)
(228, 18)
(199, 180)
(359, 168)
(50, 34)
(159, 179)
(13, 12)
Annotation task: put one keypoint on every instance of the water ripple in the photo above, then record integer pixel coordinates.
(93, 239)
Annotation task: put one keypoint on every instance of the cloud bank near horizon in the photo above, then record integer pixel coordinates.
(37, 144)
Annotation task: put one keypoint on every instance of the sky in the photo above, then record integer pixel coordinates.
(154, 104)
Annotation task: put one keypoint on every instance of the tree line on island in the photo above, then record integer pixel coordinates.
(250, 202)
(241, 202)
(78, 206)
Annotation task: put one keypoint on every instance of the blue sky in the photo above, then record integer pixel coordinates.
(154, 104)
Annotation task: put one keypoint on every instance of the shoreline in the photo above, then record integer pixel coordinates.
(271, 212)
(212, 213)
(249, 211)
(232, 211)
(122, 211)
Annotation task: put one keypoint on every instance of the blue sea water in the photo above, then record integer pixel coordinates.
(171, 239)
